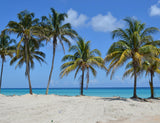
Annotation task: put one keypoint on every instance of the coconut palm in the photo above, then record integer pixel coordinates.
(33, 53)
(83, 60)
(133, 43)
(6, 49)
(26, 30)
(55, 30)
(149, 66)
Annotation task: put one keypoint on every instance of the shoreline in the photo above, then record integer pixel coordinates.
(121, 92)
(34, 94)
(76, 109)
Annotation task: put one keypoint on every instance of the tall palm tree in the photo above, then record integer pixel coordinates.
(82, 60)
(133, 44)
(6, 49)
(26, 30)
(55, 30)
(32, 53)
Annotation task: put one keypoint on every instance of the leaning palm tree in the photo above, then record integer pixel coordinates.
(54, 29)
(133, 44)
(26, 30)
(82, 60)
(6, 49)
(32, 53)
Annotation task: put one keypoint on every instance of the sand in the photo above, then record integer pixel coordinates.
(80, 109)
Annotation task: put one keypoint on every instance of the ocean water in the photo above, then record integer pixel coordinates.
(100, 92)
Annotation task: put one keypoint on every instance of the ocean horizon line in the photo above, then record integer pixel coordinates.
(88, 88)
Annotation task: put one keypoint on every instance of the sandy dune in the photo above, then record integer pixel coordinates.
(82, 109)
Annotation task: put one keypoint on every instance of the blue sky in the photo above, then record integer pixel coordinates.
(93, 20)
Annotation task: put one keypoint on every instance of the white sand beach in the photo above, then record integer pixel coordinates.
(81, 109)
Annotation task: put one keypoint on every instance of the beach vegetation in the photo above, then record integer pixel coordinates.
(26, 31)
(7, 48)
(82, 60)
(134, 43)
(57, 31)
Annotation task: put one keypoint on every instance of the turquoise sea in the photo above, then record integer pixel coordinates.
(100, 92)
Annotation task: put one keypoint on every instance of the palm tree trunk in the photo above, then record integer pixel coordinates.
(1, 74)
(27, 68)
(29, 80)
(135, 81)
(135, 85)
(82, 82)
(50, 75)
(151, 86)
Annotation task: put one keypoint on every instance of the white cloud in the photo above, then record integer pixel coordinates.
(155, 10)
(105, 23)
(75, 19)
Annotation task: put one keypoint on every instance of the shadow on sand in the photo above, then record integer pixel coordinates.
(127, 99)
(113, 99)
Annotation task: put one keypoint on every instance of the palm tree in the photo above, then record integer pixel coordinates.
(149, 66)
(5, 50)
(32, 53)
(82, 60)
(55, 30)
(133, 44)
(152, 66)
(26, 30)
